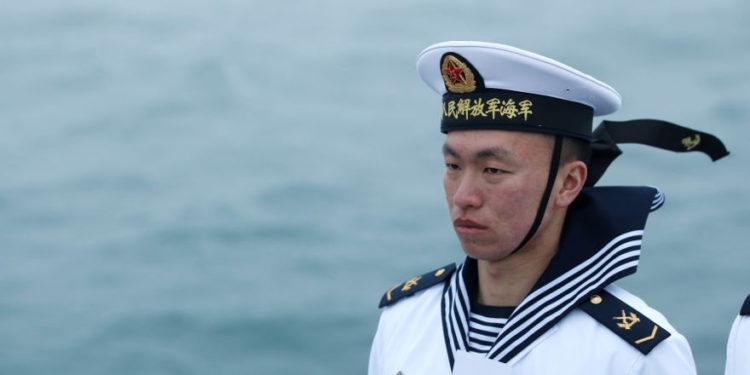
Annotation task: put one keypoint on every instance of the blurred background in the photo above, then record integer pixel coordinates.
(228, 187)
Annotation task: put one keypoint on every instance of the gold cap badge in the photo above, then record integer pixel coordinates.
(458, 76)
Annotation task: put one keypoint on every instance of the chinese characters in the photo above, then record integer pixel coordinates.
(492, 108)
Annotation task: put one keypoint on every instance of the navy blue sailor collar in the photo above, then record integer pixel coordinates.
(600, 244)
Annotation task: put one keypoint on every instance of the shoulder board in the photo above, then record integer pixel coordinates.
(745, 310)
(622, 319)
(416, 284)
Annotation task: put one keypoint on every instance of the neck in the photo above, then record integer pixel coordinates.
(507, 281)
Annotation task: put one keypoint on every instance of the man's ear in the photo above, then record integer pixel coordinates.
(571, 179)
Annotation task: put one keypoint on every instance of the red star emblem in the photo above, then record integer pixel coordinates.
(454, 73)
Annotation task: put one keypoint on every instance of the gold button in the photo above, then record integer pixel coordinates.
(440, 272)
(595, 299)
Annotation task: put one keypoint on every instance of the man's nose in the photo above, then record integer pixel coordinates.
(467, 195)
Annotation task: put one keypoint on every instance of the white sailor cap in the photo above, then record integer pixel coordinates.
(495, 86)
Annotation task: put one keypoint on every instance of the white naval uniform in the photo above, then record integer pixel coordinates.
(422, 330)
(409, 340)
(738, 346)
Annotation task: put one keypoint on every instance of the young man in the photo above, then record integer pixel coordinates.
(738, 346)
(535, 293)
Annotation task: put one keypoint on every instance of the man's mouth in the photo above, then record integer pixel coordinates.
(466, 226)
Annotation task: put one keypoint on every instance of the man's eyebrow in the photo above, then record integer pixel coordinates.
(447, 150)
(487, 153)
(494, 153)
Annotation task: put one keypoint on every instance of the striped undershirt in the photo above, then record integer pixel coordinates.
(485, 324)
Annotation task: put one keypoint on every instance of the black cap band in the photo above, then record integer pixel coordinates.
(512, 110)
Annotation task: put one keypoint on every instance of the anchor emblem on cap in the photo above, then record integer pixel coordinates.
(691, 142)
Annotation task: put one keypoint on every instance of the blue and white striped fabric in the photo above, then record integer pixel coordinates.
(483, 331)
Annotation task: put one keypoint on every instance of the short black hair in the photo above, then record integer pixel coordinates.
(575, 149)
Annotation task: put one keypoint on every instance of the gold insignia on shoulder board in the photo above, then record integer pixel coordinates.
(410, 283)
(649, 337)
(457, 75)
(627, 321)
(388, 295)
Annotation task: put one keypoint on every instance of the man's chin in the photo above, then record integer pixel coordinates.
(485, 253)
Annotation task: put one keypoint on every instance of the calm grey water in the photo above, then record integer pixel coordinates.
(227, 187)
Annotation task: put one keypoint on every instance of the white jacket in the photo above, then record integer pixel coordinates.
(410, 341)
(738, 346)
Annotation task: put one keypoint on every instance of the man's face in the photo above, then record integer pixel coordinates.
(494, 180)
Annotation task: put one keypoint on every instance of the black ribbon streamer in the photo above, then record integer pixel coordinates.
(655, 133)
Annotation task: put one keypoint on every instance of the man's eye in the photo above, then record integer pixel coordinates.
(494, 170)
(451, 166)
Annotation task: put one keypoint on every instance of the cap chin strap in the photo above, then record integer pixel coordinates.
(554, 166)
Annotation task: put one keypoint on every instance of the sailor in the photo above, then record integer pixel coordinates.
(738, 346)
(535, 293)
